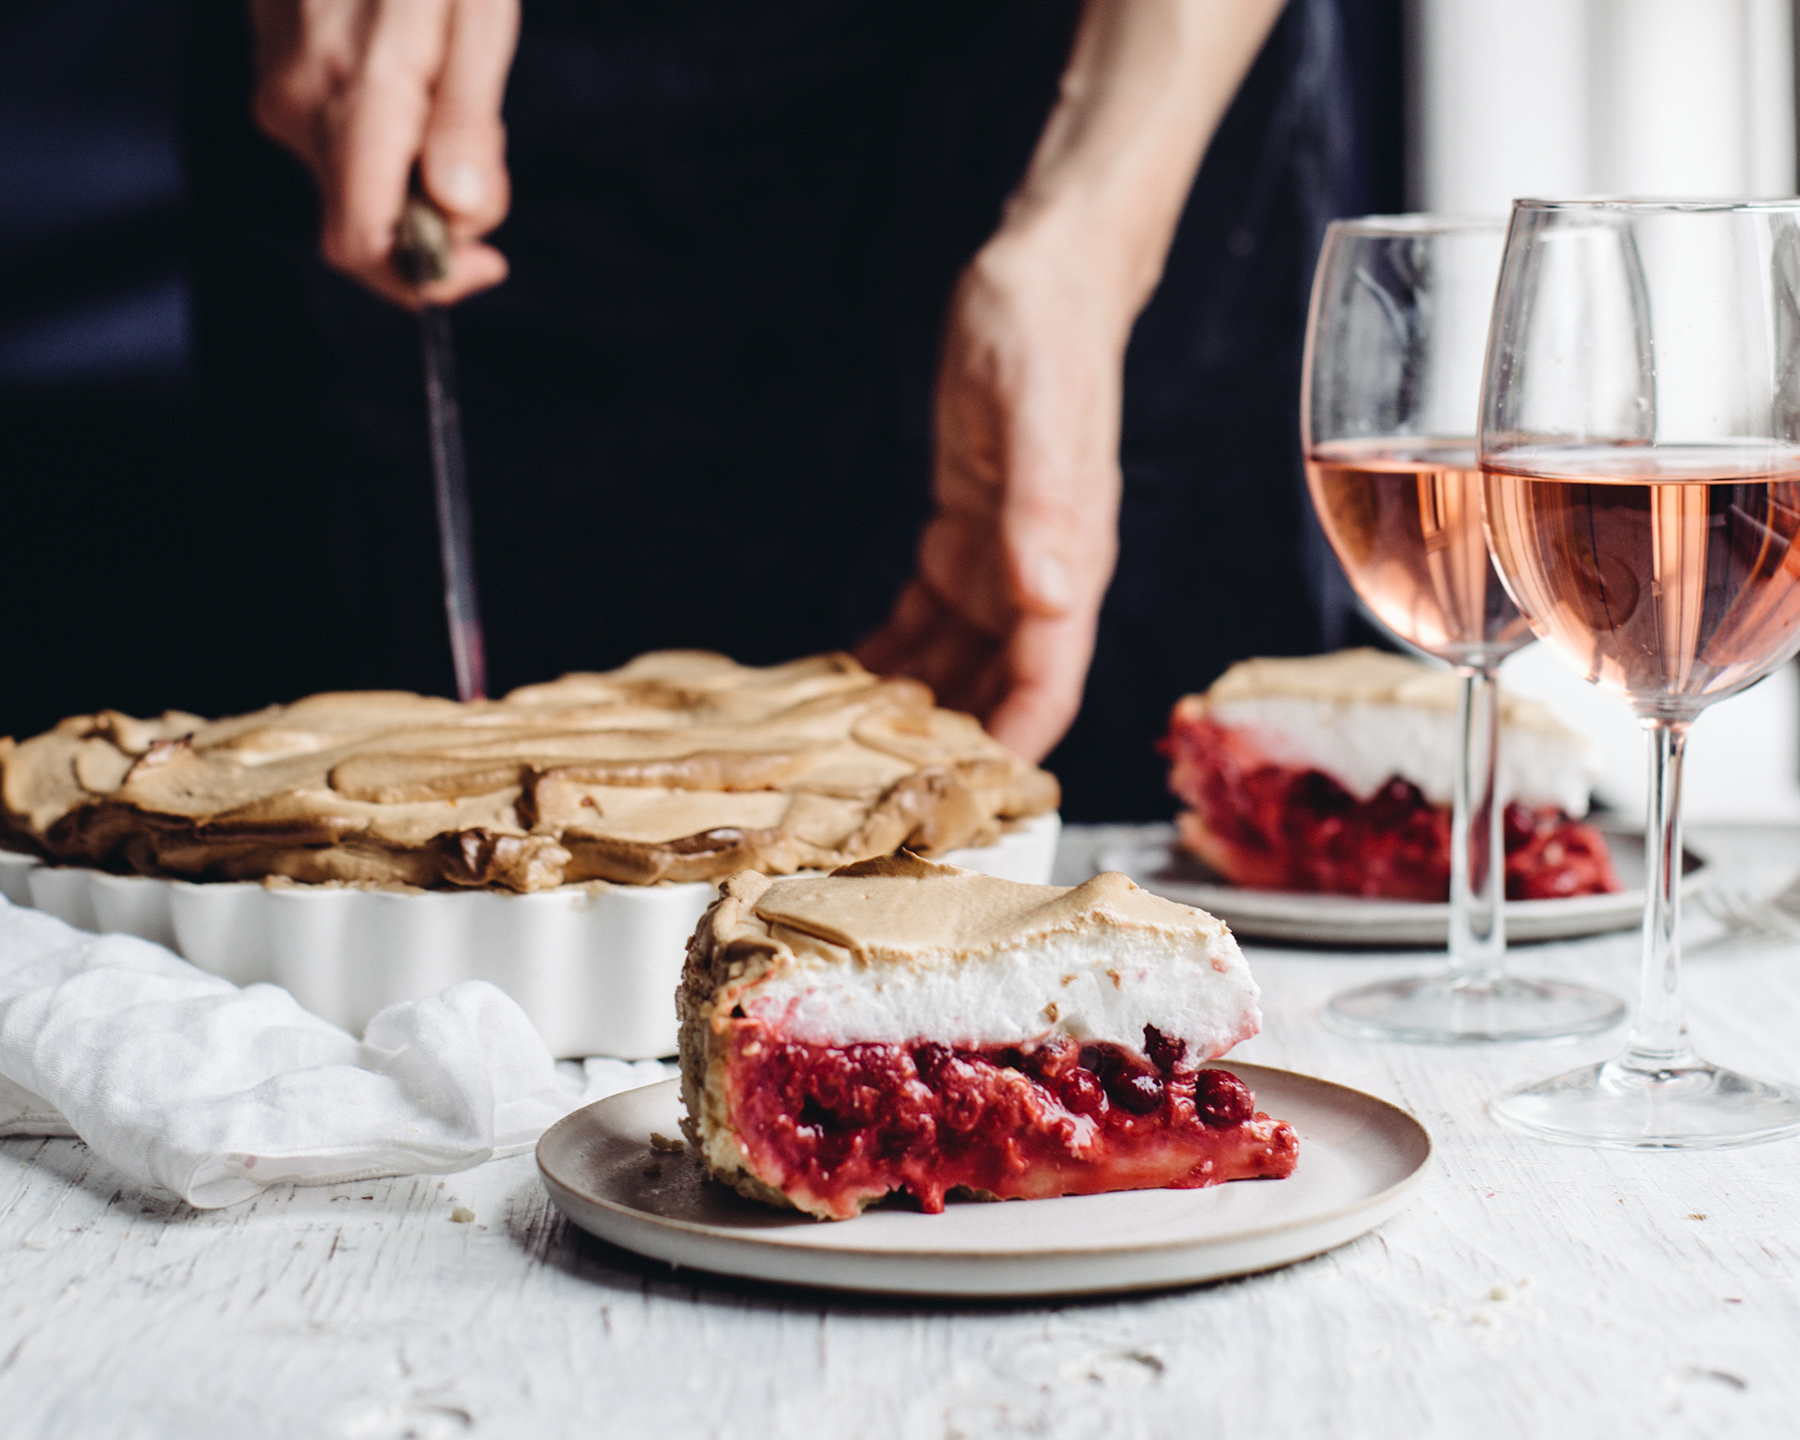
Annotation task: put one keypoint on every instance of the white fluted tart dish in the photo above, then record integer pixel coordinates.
(361, 849)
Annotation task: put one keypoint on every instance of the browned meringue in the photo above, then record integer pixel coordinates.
(681, 765)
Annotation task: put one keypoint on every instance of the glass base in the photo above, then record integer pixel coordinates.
(1436, 1010)
(1624, 1105)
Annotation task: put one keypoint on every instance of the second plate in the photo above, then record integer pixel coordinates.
(1160, 866)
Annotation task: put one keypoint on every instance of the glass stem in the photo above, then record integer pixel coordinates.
(1659, 1040)
(1477, 856)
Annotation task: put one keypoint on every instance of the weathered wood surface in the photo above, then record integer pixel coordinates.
(1528, 1289)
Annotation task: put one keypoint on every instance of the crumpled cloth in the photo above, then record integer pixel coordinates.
(185, 1082)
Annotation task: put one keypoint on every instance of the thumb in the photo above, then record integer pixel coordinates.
(1039, 532)
(1044, 580)
(1060, 491)
(463, 154)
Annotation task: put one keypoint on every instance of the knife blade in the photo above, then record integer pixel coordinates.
(422, 254)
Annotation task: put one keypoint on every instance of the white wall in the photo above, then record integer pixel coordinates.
(1580, 97)
(1743, 760)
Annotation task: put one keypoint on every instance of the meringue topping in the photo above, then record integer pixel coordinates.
(681, 765)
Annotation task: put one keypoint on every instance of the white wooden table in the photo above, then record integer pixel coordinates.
(1528, 1289)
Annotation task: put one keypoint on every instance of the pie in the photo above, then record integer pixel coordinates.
(1333, 773)
(679, 766)
(903, 1026)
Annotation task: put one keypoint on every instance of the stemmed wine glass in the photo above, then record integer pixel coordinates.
(1394, 348)
(1640, 451)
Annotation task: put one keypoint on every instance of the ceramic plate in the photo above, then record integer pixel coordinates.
(1157, 864)
(1359, 1160)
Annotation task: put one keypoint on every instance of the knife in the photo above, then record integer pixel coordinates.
(422, 254)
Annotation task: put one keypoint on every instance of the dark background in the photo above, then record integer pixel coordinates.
(111, 592)
(99, 441)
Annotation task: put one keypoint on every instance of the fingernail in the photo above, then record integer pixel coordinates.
(1050, 579)
(463, 185)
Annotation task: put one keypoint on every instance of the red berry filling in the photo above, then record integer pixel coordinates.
(838, 1127)
(1275, 827)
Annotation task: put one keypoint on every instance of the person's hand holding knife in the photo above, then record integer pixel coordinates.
(396, 107)
(362, 91)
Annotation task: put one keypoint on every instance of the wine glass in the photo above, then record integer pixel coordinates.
(1640, 452)
(1392, 389)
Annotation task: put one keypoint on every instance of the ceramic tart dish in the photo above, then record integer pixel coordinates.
(366, 848)
(595, 966)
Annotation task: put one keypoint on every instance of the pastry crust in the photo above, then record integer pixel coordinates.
(679, 766)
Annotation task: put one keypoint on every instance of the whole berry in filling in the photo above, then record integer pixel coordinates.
(1221, 1099)
(1131, 1081)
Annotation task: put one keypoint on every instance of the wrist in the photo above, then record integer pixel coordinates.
(1054, 249)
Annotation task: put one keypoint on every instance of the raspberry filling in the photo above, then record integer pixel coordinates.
(1267, 826)
(841, 1126)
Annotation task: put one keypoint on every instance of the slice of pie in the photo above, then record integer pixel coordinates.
(905, 1026)
(679, 766)
(1333, 773)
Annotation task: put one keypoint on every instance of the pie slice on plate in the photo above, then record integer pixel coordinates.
(1332, 774)
(902, 1026)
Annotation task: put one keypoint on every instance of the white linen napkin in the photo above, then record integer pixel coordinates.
(183, 1081)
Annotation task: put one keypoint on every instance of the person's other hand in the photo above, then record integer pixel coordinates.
(360, 90)
(1000, 617)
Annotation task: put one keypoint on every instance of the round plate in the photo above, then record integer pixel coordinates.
(1159, 865)
(1359, 1159)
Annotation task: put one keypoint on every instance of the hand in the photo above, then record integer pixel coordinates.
(1000, 618)
(360, 90)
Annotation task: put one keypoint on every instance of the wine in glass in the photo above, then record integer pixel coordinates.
(1394, 350)
(1640, 448)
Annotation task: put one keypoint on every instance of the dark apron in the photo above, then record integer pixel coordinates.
(698, 412)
